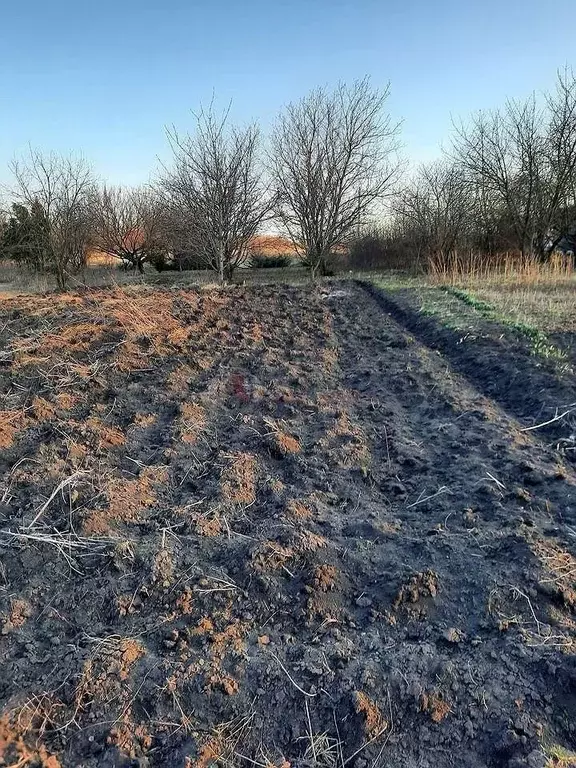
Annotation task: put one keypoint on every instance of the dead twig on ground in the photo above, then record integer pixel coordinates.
(439, 492)
(289, 676)
(495, 479)
(227, 586)
(68, 481)
(67, 544)
(558, 417)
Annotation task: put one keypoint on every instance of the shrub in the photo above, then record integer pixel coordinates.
(380, 249)
(178, 262)
(261, 261)
(368, 252)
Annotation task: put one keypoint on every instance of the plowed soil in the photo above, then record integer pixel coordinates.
(272, 527)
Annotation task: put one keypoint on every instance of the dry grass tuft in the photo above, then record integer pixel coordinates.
(42, 409)
(107, 437)
(419, 586)
(71, 339)
(11, 424)
(192, 422)
(435, 706)
(179, 379)
(14, 753)
(348, 442)
(127, 499)
(374, 721)
(239, 485)
(298, 510)
(106, 681)
(282, 442)
(310, 541)
(208, 526)
(144, 420)
(271, 556)
(560, 567)
(559, 757)
(20, 612)
(324, 578)
(287, 444)
(220, 747)
(66, 401)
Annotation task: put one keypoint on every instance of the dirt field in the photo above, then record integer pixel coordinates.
(272, 527)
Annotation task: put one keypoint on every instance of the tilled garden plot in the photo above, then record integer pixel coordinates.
(268, 527)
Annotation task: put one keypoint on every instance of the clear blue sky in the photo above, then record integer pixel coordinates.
(105, 77)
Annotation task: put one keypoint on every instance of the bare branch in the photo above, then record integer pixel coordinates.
(127, 224)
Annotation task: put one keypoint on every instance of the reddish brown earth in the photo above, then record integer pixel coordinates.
(270, 527)
(272, 245)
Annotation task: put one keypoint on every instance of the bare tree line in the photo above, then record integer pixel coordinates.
(331, 169)
(332, 159)
(508, 181)
(56, 193)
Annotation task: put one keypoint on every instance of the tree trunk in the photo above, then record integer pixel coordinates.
(324, 267)
(221, 276)
(60, 278)
(542, 252)
(318, 264)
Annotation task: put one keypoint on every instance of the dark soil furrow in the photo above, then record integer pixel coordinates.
(525, 385)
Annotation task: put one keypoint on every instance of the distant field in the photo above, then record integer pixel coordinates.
(539, 297)
(535, 300)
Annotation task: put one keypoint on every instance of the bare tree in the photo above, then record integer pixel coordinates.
(333, 158)
(62, 188)
(214, 191)
(436, 208)
(126, 224)
(523, 158)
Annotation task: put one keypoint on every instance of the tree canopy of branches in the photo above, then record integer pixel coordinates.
(214, 191)
(126, 224)
(25, 237)
(332, 159)
(53, 214)
(522, 161)
(436, 209)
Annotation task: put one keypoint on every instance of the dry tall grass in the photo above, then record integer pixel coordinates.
(16, 279)
(507, 268)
